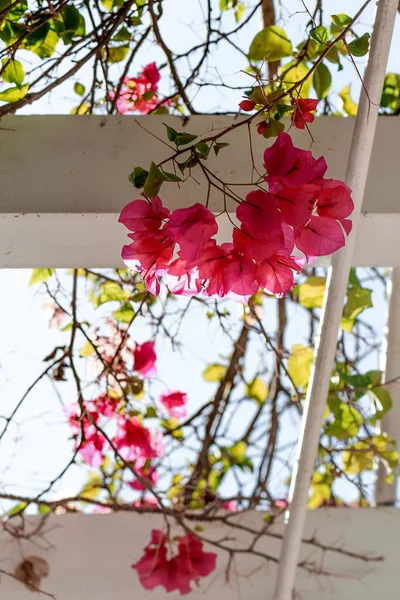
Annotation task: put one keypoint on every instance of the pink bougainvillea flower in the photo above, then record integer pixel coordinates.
(153, 567)
(145, 359)
(296, 204)
(320, 237)
(230, 505)
(148, 474)
(106, 405)
(189, 565)
(259, 215)
(91, 446)
(147, 251)
(182, 280)
(134, 441)
(140, 94)
(174, 403)
(276, 274)
(334, 199)
(191, 228)
(149, 502)
(302, 113)
(192, 560)
(289, 165)
(144, 215)
(255, 248)
(247, 105)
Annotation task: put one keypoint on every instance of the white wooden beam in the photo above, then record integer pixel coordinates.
(90, 557)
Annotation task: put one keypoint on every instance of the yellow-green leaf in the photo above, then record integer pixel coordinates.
(214, 372)
(257, 390)
(87, 350)
(311, 292)
(295, 72)
(349, 106)
(358, 458)
(14, 94)
(299, 364)
(40, 276)
(13, 71)
(270, 44)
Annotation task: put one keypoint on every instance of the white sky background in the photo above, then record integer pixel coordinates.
(39, 448)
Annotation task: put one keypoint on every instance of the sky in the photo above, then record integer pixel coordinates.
(39, 446)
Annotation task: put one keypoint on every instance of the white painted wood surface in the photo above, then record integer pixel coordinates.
(90, 558)
(64, 182)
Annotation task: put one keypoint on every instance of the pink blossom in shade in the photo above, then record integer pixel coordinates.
(144, 215)
(192, 560)
(289, 165)
(106, 405)
(320, 237)
(174, 403)
(148, 474)
(191, 228)
(253, 247)
(152, 74)
(145, 359)
(302, 113)
(261, 127)
(134, 441)
(334, 199)
(153, 567)
(230, 505)
(276, 274)
(259, 215)
(296, 204)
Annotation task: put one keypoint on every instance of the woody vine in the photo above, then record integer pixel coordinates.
(146, 445)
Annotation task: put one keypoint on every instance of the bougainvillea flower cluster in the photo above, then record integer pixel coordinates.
(174, 573)
(140, 94)
(303, 112)
(301, 209)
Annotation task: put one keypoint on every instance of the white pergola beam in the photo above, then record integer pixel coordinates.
(64, 181)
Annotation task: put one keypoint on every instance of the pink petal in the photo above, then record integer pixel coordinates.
(321, 236)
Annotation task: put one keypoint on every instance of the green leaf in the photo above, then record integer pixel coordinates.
(359, 46)
(138, 177)
(17, 509)
(125, 314)
(270, 44)
(13, 71)
(154, 181)
(320, 34)
(122, 35)
(218, 147)
(340, 22)
(14, 94)
(349, 106)
(347, 420)
(257, 390)
(295, 72)
(172, 425)
(203, 149)
(239, 11)
(238, 451)
(117, 54)
(82, 109)
(40, 276)
(79, 89)
(322, 80)
(93, 487)
(47, 47)
(214, 372)
(273, 128)
(299, 364)
(311, 292)
(43, 509)
(72, 21)
(358, 299)
(391, 92)
(112, 291)
(382, 401)
(180, 139)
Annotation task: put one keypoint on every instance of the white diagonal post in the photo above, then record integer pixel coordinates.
(385, 493)
(356, 178)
